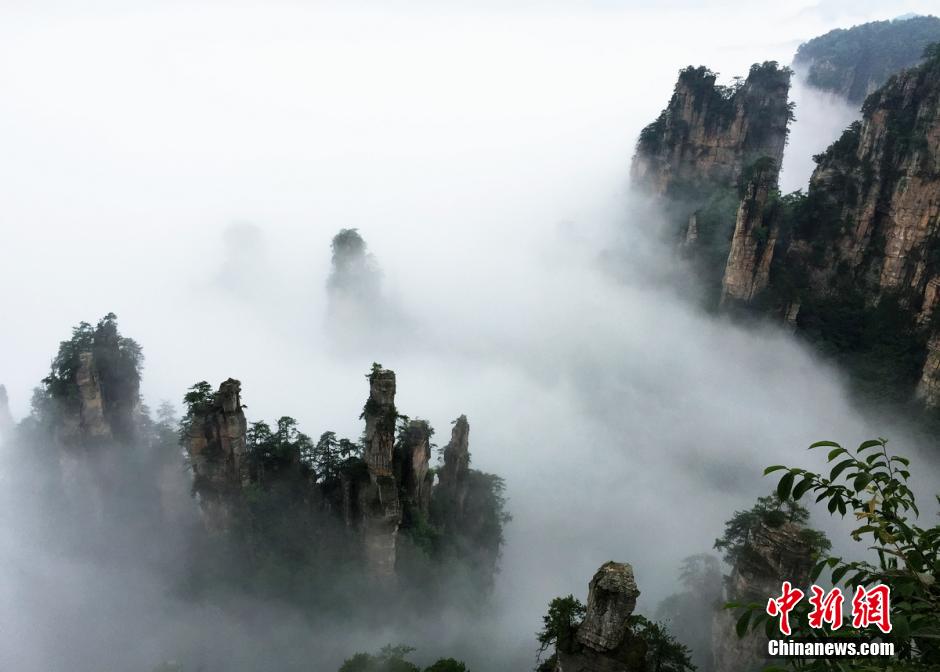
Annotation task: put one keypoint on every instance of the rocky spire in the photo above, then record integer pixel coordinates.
(6, 418)
(611, 600)
(605, 639)
(453, 484)
(708, 134)
(415, 455)
(869, 229)
(379, 498)
(755, 236)
(774, 554)
(216, 441)
(380, 416)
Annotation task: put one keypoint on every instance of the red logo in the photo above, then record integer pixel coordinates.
(871, 606)
(826, 608)
(784, 604)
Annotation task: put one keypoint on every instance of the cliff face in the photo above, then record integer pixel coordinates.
(772, 555)
(216, 441)
(379, 498)
(91, 397)
(451, 491)
(605, 641)
(755, 236)
(708, 133)
(865, 238)
(414, 467)
(86, 423)
(879, 191)
(856, 62)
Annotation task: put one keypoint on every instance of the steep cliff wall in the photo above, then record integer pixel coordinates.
(86, 422)
(772, 554)
(854, 63)
(756, 229)
(91, 397)
(450, 495)
(693, 158)
(860, 253)
(708, 133)
(216, 442)
(414, 474)
(605, 640)
(379, 498)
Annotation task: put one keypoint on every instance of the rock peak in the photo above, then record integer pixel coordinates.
(6, 418)
(611, 601)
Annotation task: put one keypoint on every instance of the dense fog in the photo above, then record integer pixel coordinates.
(186, 166)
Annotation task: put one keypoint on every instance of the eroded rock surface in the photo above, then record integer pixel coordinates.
(605, 641)
(708, 134)
(216, 441)
(773, 555)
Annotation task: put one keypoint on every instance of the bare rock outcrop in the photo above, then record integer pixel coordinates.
(755, 237)
(773, 555)
(216, 442)
(611, 601)
(928, 389)
(605, 641)
(708, 134)
(453, 485)
(93, 414)
(378, 499)
(414, 455)
(869, 228)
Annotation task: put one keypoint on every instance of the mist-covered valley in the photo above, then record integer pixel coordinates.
(188, 166)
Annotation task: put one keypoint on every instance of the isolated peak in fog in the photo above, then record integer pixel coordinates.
(361, 313)
(355, 275)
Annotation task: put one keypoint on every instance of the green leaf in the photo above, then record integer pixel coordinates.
(785, 485)
(770, 629)
(835, 452)
(741, 626)
(871, 443)
(825, 444)
(776, 467)
(839, 572)
(861, 481)
(901, 627)
(817, 570)
(802, 487)
(839, 468)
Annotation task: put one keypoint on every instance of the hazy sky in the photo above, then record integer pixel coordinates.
(134, 133)
(185, 165)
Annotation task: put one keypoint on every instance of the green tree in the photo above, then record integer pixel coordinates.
(447, 665)
(330, 454)
(279, 449)
(392, 659)
(772, 511)
(663, 652)
(560, 624)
